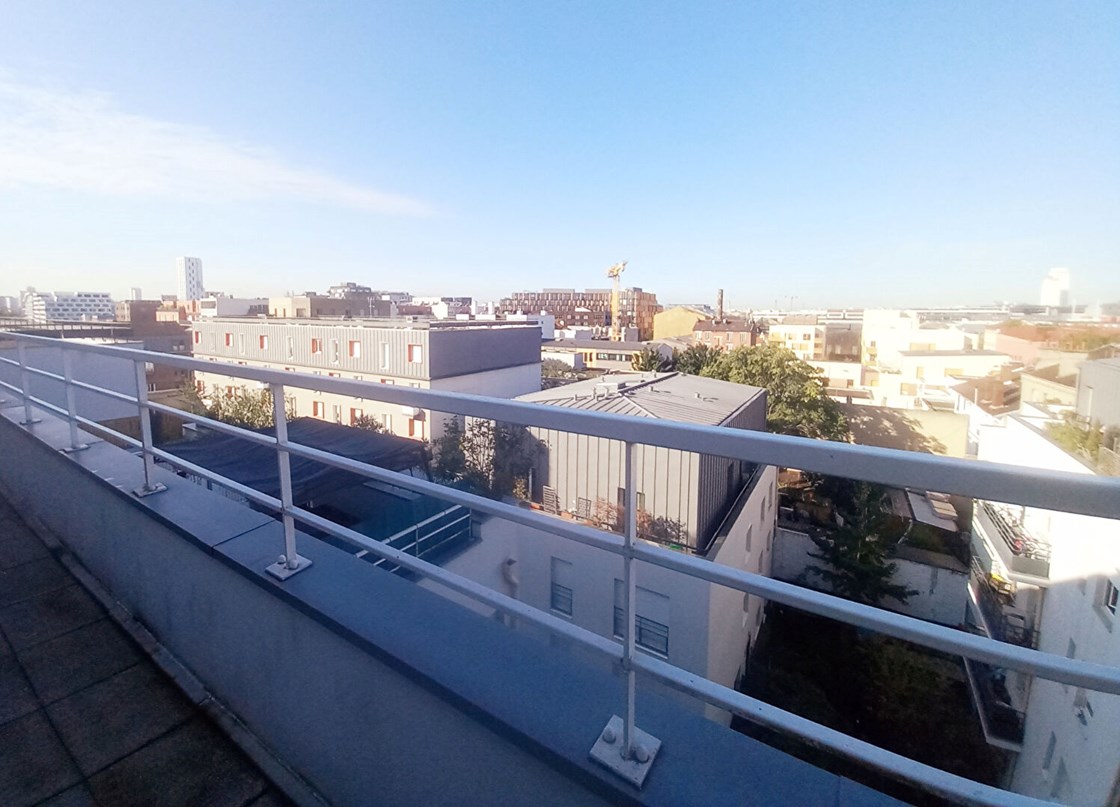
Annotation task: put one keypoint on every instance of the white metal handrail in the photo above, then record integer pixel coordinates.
(1075, 493)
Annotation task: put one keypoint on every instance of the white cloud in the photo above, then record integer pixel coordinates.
(81, 141)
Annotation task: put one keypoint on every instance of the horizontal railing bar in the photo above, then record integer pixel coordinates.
(216, 425)
(927, 777)
(105, 430)
(527, 518)
(1074, 671)
(462, 585)
(1078, 672)
(252, 494)
(108, 393)
(1054, 490)
(419, 524)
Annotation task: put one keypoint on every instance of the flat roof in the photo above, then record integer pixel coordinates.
(666, 396)
(952, 353)
(598, 344)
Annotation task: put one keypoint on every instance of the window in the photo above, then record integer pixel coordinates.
(335, 375)
(334, 351)
(651, 620)
(384, 355)
(1109, 597)
(240, 343)
(337, 413)
(229, 339)
(415, 354)
(416, 428)
(262, 342)
(388, 381)
(318, 409)
(560, 600)
(291, 346)
(355, 415)
(387, 422)
(316, 345)
(355, 349)
(197, 338)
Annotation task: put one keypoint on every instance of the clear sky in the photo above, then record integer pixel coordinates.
(893, 153)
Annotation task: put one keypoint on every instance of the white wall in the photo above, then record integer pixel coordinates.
(942, 593)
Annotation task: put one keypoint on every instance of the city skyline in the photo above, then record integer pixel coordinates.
(877, 156)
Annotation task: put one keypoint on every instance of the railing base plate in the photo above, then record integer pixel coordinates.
(143, 491)
(30, 422)
(72, 449)
(608, 752)
(282, 571)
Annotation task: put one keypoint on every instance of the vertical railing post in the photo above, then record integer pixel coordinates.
(290, 562)
(622, 746)
(630, 603)
(25, 383)
(71, 405)
(150, 485)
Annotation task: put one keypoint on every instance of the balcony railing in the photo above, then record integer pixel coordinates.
(1001, 721)
(1052, 490)
(993, 604)
(1020, 551)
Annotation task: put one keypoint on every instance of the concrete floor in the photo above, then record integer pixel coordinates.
(85, 717)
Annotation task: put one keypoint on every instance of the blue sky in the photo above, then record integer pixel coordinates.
(846, 153)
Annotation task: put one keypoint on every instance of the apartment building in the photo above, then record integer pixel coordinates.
(1047, 580)
(1098, 392)
(727, 334)
(887, 333)
(923, 379)
(188, 279)
(600, 354)
(803, 335)
(313, 306)
(59, 306)
(716, 508)
(676, 321)
(500, 361)
(589, 308)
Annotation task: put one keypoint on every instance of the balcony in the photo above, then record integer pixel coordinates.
(1001, 721)
(993, 601)
(1025, 556)
(364, 682)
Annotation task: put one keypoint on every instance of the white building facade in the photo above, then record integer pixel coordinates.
(1049, 580)
(188, 279)
(67, 305)
(503, 362)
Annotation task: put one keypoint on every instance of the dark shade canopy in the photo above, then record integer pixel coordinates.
(256, 466)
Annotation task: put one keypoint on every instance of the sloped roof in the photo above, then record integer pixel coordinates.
(666, 396)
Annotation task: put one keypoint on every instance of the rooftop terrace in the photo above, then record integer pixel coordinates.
(364, 682)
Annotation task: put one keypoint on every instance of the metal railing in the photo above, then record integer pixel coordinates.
(1047, 489)
(993, 603)
(1022, 552)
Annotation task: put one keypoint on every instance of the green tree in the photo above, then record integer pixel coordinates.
(369, 423)
(249, 409)
(491, 458)
(796, 401)
(855, 553)
(694, 358)
(650, 360)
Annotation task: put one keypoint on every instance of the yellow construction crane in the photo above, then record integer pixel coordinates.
(616, 326)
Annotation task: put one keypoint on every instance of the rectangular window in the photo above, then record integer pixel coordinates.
(385, 355)
(197, 338)
(355, 349)
(229, 339)
(355, 415)
(651, 621)
(316, 345)
(337, 413)
(318, 409)
(262, 342)
(1109, 600)
(240, 343)
(387, 422)
(560, 599)
(415, 428)
(334, 351)
(415, 354)
(291, 347)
